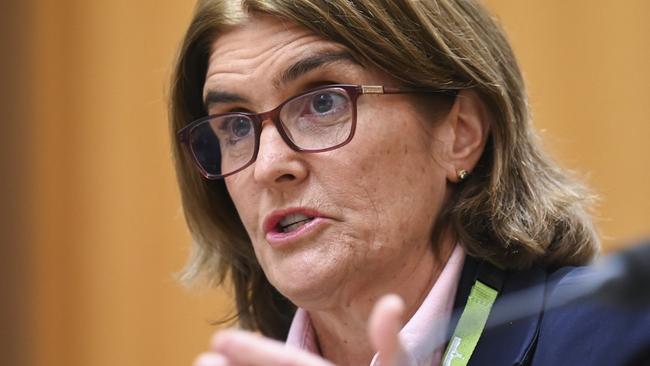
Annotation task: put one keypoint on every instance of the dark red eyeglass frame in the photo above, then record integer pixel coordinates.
(353, 91)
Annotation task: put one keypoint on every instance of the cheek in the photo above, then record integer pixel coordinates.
(246, 201)
(404, 158)
(401, 174)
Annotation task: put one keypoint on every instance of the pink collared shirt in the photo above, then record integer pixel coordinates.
(420, 334)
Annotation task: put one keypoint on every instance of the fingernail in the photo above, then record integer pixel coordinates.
(394, 301)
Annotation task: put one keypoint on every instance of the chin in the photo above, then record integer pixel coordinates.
(305, 288)
(310, 273)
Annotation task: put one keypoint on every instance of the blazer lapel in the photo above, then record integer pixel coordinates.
(512, 327)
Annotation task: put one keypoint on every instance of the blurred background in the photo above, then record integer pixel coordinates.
(91, 228)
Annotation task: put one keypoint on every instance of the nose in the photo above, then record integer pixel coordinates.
(277, 165)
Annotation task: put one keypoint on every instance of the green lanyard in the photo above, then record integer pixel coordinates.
(475, 314)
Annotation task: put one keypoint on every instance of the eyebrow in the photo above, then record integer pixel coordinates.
(290, 74)
(310, 63)
(215, 97)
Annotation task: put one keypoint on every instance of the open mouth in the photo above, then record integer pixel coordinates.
(293, 225)
(292, 222)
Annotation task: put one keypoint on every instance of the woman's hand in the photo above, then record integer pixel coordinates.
(241, 348)
(383, 331)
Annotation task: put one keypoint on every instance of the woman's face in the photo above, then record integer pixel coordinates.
(327, 227)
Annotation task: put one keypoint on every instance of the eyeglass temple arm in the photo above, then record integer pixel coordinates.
(380, 89)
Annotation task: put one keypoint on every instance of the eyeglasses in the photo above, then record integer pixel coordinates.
(318, 120)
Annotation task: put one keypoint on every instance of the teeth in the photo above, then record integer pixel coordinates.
(293, 218)
(293, 227)
(293, 221)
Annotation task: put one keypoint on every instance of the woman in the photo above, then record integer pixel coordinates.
(341, 151)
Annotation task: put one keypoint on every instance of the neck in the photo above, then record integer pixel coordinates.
(342, 331)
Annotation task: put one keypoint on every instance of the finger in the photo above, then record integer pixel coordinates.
(211, 359)
(383, 330)
(246, 348)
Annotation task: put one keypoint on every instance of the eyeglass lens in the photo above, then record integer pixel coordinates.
(316, 120)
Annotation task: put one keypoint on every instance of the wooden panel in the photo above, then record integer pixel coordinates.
(586, 64)
(109, 225)
(15, 122)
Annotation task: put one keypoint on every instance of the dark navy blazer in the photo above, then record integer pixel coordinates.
(586, 332)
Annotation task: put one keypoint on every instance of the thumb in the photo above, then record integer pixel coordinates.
(383, 331)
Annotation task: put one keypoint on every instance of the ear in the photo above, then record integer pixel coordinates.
(469, 121)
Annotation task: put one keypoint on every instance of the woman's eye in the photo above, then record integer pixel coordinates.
(325, 102)
(240, 127)
(234, 129)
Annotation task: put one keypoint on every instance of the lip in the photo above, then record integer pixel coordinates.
(277, 238)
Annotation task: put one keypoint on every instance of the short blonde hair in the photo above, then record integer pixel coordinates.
(517, 209)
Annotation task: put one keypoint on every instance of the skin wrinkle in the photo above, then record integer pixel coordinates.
(372, 238)
(235, 51)
(288, 90)
(253, 69)
(311, 63)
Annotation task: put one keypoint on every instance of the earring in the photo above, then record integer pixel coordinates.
(463, 174)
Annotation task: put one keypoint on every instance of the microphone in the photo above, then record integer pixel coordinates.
(621, 279)
(627, 277)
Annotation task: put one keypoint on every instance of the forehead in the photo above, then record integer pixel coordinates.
(260, 36)
(260, 49)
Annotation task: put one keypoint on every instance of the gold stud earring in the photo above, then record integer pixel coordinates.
(463, 174)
